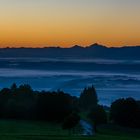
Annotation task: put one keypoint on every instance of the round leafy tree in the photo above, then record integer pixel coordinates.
(125, 112)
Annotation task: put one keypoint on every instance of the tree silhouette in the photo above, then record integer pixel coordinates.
(125, 112)
(98, 116)
(71, 121)
(88, 99)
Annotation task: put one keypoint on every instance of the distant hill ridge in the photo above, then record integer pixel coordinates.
(90, 52)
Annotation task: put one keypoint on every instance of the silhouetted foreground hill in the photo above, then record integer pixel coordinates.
(94, 51)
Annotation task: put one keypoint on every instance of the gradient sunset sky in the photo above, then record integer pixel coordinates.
(39, 23)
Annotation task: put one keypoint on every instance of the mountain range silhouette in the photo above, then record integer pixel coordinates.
(94, 51)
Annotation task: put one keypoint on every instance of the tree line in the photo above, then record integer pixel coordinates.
(22, 102)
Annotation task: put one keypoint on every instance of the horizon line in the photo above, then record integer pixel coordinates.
(61, 47)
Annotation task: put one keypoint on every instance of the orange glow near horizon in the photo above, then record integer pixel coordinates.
(40, 23)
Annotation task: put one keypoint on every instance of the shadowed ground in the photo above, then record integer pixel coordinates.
(26, 130)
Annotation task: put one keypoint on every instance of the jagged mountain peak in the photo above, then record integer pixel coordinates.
(76, 46)
(96, 45)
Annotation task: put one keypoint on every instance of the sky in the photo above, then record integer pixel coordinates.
(40, 23)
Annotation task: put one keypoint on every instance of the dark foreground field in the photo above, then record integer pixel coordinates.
(25, 130)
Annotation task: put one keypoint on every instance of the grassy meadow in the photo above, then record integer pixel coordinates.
(30, 130)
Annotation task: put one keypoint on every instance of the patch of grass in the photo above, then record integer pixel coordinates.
(30, 127)
(115, 130)
(32, 130)
(40, 137)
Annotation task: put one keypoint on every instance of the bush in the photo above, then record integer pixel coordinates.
(71, 121)
(98, 116)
